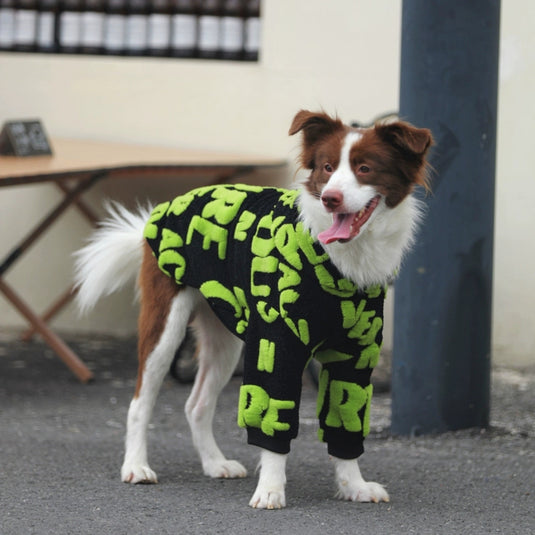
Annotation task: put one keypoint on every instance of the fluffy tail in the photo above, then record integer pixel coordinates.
(112, 256)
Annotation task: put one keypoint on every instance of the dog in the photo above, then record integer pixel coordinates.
(294, 273)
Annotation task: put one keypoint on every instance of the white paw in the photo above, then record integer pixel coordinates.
(353, 487)
(224, 469)
(264, 498)
(269, 493)
(361, 491)
(138, 474)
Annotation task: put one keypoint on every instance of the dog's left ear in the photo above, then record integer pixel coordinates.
(412, 144)
(405, 137)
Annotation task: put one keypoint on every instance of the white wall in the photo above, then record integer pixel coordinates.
(344, 59)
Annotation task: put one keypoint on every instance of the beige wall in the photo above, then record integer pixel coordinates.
(344, 59)
(514, 282)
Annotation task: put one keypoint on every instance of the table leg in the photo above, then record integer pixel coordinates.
(64, 299)
(82, 206)
(43, 225)
(72, 361)
(52, 310)
(39, 324)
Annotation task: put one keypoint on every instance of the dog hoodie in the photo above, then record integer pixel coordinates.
(273, 285)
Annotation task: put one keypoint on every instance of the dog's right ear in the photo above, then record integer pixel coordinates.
(315, 126)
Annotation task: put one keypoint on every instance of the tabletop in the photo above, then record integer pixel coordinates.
(76, 156)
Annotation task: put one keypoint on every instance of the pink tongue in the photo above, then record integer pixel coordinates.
(340, 229)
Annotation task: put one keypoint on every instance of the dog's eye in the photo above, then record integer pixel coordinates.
(364, 169)
(328, 168)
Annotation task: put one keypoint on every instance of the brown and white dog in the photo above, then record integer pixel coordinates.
(356, 203)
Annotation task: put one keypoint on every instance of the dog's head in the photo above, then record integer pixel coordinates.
(357, 172)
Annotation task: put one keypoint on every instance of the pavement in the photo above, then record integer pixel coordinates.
(61, 446)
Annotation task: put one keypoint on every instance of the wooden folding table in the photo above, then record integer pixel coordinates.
(75, 167)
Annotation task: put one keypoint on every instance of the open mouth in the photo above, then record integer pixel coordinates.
(346, 226)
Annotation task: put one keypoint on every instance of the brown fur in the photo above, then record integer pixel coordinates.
(158, 290)
(394, 153)
(319, 132)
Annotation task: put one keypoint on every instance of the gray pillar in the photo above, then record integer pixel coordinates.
(443, 297)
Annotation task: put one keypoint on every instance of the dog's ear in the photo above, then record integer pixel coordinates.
(406, 137)
(315, 126)
(412, 144)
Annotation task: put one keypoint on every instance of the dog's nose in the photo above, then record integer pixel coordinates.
(332, 199)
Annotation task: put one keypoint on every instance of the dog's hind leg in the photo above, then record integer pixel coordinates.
(164, 315)
(218, 356)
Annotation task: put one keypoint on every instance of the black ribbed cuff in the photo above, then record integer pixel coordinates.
(255, 437)
(345, 451)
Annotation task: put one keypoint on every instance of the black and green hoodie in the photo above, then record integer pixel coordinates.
(273, 285)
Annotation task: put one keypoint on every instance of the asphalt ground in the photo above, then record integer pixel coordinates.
(61, 446)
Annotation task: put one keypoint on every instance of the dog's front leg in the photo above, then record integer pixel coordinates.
(269, 493)
(353, 487)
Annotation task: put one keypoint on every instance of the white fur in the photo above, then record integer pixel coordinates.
(135, 467)
(112, 256)
(270, 492)
(218, 356)
(374, 255)
(356, 196)
(351, 485)
(343, 178)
